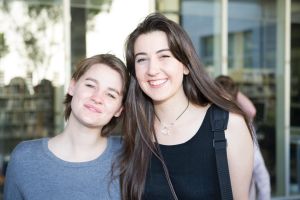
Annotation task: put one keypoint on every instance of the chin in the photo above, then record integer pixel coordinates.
(90, 123)
(92, 126)
(158, 99)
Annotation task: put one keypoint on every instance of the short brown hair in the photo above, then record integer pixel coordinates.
(83, 66)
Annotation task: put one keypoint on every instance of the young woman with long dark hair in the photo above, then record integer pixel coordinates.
(168, 142)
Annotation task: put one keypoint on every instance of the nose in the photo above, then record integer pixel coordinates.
(153, 68)
(97, 97)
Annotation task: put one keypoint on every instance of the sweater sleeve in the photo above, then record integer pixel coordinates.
(261, 176)
(11, 189)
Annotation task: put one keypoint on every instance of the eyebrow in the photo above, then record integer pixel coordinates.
(109, 88)
(114, 90)
(143, 53)
(162, 50)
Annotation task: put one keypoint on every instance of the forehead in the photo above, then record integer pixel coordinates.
(151, 41)
(103, 74)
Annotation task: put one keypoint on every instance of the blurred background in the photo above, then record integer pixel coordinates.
(256, 42)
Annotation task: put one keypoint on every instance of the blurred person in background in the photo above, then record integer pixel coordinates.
(260, 187)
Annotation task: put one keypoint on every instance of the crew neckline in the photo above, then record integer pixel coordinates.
(51, 155)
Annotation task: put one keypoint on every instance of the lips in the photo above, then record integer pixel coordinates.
(156, 83)
(92, 108)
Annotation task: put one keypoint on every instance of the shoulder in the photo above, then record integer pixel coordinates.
(28, 146)
(26, 149)
(115, 142)
(24, 154)
(237, 123)
(239, 139)
(237, 132)
(234, 120)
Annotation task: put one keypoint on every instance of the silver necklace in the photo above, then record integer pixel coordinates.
(166, 128)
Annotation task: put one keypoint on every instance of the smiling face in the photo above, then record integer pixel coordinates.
(97, 96)
(158, 72)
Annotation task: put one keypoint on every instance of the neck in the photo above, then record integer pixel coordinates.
(172, 110)
(80, 135)
(78, 143)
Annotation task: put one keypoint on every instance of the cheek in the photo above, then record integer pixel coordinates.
(114, 108)
(79, 96)
(140, 72)
(139, 77)
(179, 70)
(74, 103)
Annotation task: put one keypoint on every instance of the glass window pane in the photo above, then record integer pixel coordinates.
(200, 20)
(31, 73)
(295, 63)
(295, 98)
(252, 64)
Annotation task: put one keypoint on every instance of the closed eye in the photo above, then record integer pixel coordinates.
(90, 82)
(89, 85)
(139, 60)
(111, 95)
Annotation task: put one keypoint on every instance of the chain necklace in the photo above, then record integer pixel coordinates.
(166, 128)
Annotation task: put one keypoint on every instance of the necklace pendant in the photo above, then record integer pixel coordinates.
(166, 128)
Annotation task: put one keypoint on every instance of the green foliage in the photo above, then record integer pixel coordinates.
(93, 8)
(3, 46)
(4, 5)
(40, 18)
(52, 12)
(35, 32)
(43, 17)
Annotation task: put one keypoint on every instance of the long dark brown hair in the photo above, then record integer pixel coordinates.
(138, 123)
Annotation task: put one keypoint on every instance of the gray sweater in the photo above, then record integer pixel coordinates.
(35, 173)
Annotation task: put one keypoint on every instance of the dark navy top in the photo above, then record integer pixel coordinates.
(192, 168)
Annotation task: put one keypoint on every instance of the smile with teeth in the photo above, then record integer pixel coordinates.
(157, 82)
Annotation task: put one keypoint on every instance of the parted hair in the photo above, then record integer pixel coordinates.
(83, 66)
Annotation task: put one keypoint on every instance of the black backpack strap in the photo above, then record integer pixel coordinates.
(219, 120)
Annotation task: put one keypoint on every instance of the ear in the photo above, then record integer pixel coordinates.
(186, 71)
(118, 113)
(71, 87)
